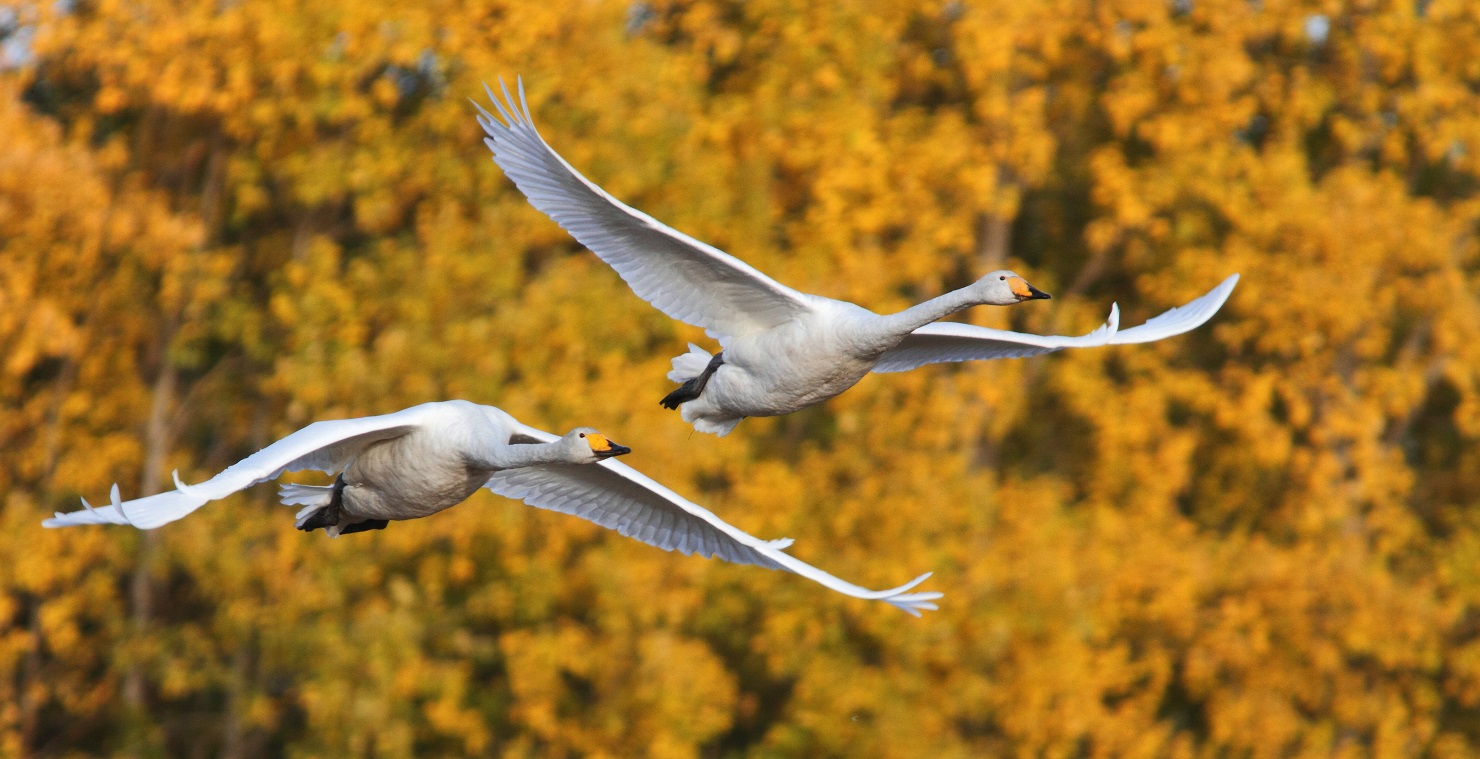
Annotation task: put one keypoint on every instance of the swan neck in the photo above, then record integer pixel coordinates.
(518, 455)
(933, 310)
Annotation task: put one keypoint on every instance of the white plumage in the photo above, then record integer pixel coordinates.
(427, 458)
(783, 350)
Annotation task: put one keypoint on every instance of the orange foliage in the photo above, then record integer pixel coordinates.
(220, 221)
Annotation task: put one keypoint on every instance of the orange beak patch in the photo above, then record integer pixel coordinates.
(598, 442)
(1019, 287)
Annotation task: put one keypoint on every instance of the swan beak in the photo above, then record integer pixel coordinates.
(615, 450)
(604, 448)
(1025, 291)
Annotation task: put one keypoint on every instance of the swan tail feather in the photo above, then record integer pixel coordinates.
(720, 427)
(315, 500)
(690, 365)
(310, 496)
(693, 387)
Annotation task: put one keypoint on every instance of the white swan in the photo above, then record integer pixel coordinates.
(416, 462)
(783, 350)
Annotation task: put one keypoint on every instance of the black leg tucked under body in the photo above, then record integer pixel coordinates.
(327, 516)
(692, 389)
(365, 526)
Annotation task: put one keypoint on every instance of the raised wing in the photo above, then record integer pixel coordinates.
(950, 341)
(326, 446)
(684, 278)
(620, 498)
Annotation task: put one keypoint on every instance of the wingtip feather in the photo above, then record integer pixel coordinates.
(1180, 319)
(504, 111)
(180, 484)
(524, 104)
(485, 118)
(509, 98)
(117, 503)
(912, 583)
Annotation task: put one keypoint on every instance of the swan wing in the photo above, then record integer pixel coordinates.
(620, 498)
(951, 341)
(683, 277)
(326, 446)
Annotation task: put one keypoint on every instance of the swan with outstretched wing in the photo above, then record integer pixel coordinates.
(424, 459)
(783, 350)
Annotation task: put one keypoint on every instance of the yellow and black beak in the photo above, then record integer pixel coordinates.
(1025, 291)
(605, 449)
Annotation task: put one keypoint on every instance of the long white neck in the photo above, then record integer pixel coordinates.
(894, 327)
(528, 454)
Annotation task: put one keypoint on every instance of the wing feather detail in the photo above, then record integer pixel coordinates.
(326, 446)
(684, 278)
(951, 341)
(620, 498)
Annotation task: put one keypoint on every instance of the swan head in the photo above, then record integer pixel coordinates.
(1004, 288)
(587, 446)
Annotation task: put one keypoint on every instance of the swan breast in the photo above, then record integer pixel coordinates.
(415, 475)
(795, 364)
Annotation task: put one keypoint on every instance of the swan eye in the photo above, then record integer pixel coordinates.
(583, 434)
(1003, 278)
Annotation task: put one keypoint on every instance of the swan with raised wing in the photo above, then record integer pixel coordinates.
(419, 461)
(782, 350)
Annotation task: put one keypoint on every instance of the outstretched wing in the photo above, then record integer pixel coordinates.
(950, 341)
(620, 498)
(684, 278)
(326, 446)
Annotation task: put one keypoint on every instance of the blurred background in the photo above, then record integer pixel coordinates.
(221, 220)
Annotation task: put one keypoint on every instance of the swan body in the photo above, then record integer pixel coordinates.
(419, 461)
(801, 362)
(783, 350)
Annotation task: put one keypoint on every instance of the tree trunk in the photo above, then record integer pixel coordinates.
(233, 740)
(157, 441)
(993, 241)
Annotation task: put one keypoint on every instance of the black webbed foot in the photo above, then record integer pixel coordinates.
(686, 392)
(365, 526)
(327, 516)
(694, 387)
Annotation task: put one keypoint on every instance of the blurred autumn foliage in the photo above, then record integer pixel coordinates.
(221, 220)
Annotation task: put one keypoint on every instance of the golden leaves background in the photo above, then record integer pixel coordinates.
(220, 221)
